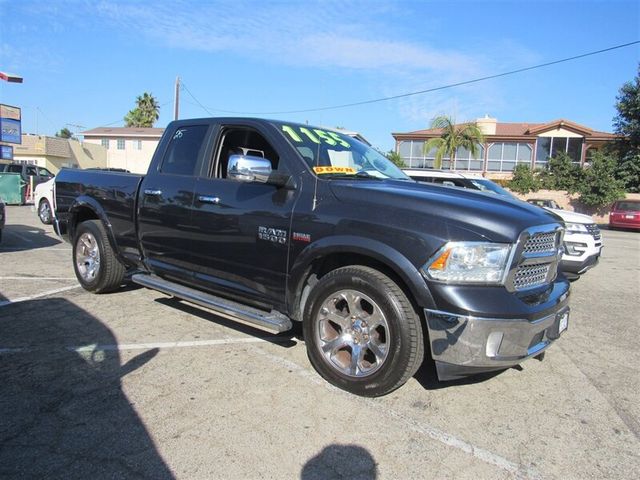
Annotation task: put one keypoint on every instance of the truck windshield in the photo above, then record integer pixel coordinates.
(332, 154)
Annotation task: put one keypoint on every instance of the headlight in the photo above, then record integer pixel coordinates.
(469, 262)
(576, 228)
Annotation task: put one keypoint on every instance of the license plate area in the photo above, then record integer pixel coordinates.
(559, 326)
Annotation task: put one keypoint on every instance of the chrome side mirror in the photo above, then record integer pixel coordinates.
(247, 168)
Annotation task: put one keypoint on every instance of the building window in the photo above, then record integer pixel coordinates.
(121, 144)
(504, 156)
(466, 161)
(550, 146)
(137, 144)
(105, 143)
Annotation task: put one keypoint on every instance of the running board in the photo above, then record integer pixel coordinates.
(272, 321)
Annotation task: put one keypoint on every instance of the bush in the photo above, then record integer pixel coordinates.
(599, 187)
(628, 171)
(562, 174)
(524, 180)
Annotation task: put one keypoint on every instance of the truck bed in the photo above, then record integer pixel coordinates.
(114, 194)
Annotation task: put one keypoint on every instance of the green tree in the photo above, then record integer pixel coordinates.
(64, 133)
(628, 171)
(599, 187)
(627, 121)
(145, 114)
(627, 125)
(561, 174)
(395, 158)
(524, 180)
(452, 137)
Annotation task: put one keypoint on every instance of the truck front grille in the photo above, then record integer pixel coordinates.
(528, 276)
(541, 243)
(536, 258)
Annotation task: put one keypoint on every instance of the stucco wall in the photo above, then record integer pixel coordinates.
(130, 158)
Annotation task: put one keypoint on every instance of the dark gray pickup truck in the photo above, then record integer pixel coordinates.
(270, 223)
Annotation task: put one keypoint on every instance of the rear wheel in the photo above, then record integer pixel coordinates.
(44, 212)
(96, 266)
(362, 333)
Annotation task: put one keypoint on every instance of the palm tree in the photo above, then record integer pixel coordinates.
(146, 112)
(452, 137)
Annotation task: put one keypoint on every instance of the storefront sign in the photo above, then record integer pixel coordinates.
(10, 124)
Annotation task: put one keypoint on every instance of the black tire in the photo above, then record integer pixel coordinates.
(91, 243)
(358, 293)
(44, 212)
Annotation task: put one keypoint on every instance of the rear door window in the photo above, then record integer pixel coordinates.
(184, 150)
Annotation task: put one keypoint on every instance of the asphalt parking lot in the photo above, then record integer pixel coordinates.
(135, 385)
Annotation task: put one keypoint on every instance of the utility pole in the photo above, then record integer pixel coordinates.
(176, 100)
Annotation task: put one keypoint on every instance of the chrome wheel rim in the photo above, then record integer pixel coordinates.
(87, 257)
(352, 333)
(45, 212)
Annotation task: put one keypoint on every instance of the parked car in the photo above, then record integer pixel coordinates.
(625, 214)
(271, 223)
(544, 203)
(44, 201)
(2, 217)
(457, 179)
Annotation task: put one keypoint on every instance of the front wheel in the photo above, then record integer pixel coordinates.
(44, 212)
(362, 333)
(94, 261)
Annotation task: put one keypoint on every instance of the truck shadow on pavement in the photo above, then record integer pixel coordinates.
(18, 238)
(63, 411)
(339, 462)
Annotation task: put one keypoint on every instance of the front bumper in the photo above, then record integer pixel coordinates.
(574, 269)
(464, 345)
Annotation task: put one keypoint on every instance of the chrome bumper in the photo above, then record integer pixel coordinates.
(463, 345)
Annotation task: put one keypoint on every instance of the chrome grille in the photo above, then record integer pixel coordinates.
(528, 276)
(541, 243)
(594, 231)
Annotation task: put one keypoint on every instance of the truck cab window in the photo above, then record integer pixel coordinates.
(243, 141)
(185, 148)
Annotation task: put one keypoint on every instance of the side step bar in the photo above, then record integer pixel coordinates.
(272, 321)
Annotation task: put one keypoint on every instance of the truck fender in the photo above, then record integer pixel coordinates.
(388, 256)
(86, 202)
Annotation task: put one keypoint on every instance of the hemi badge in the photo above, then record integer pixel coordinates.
(301, 237)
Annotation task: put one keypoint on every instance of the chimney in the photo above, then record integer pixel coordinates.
(487, 125)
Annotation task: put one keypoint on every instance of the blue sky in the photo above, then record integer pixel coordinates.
(84, 62)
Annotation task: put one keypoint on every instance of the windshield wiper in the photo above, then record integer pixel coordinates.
(361, 175)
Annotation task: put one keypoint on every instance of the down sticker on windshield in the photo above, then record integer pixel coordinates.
(321, 170)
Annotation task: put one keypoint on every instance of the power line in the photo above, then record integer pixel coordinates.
(196, 100)
(420, 92)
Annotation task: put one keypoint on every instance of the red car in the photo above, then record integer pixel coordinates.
(625, 214)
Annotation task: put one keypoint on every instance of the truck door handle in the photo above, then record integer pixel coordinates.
(208, 199)
(152, 192)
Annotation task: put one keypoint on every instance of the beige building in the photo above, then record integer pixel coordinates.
(507, 145)
(127, 148)
(55, 153)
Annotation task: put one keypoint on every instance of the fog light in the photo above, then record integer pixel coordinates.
(574, 248)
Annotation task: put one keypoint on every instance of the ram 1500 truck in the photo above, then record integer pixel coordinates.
(270, 223)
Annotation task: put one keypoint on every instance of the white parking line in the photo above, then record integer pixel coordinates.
(37, 278)
(39, 295)
(39, 249)
(148, 346)
(194, 343)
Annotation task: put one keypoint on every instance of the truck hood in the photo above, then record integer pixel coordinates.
(493, 217)
(572, 217)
